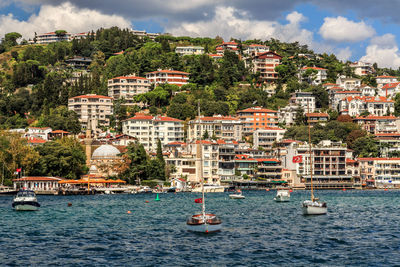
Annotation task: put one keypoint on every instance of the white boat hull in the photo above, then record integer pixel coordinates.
(25, 208)
(210, 189)
(205, 228)
(282, 198)
(238, 196)
(314, 208)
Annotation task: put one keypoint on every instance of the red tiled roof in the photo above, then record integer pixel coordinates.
(385, 76)
(166, 119)
(313, 68)
(261, 160)
(59, 131)
(387, 134)
(37, 178)
(176, 143)
(372, 159)
(330, 84)
(257, 110)
(205, 142)
(141, 117)
(257, 45)
(390, 85)
(350, 161)
(169, 71)
(128, 77)
(230, 43)
(373, 117)
(92, 96)
(317, 115)
(35, 140)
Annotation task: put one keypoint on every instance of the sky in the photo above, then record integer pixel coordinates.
(355, 30)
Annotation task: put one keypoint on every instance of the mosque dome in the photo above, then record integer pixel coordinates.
(105, 151)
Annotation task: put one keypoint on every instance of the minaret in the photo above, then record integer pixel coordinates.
(88, 143)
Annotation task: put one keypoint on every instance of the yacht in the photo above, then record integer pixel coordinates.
(282, 195)
(209, 189)
(25, 200)
(238, 195)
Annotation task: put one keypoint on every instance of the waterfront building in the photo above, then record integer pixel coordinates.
(220, 127)
(380, 172)
(389, 143)
(126, 87)
(95, 108)
(255, 118)
(178, 78)
(269, 169)
(378, 124)
(226, 159)
(37, 183)
(189, 50)
(328, 164)
(148, 129)
(245, 165)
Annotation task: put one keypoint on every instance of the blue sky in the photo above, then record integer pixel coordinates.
(353, 30)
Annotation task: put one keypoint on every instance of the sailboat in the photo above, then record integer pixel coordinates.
(313, 206)
(203, 222)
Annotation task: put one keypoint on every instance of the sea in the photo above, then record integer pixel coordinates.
(362, 228)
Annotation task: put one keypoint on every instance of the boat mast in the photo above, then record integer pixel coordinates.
(200, 149)
(310, 152)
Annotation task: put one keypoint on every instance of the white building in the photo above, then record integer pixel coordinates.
(168, 76)
(368, 90)
(378, 106)
(348, 83)
(336, 96)
(265, 138)
(305, 100)
(38, 132)
(94, 108)
(189, 50)
(222, 127)
(52, 37)
(385, 79)
(362, 68)
(148, 129)
(389, 89)
(255, 49)
(313, 75)
(126, 87)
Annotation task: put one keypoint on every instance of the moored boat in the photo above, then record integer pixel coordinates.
(204, 223)
(25, 200)
(238, 195)
(282, 195)
(314, 207)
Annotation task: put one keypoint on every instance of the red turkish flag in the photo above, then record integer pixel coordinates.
(297, 159)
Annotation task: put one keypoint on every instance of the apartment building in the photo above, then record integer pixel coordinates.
(220, 127)
(178, 78)
(96, 109)
(389, 89)
(389, 143)
(377, 124)
(148, 130)
(126, 87)
(266, 138)
(265, 64)
(362, 68)
(380, 172)
(52, 37)
(189, 50)
(231, 46)
(255, 118)
(335, 96)
(317, 117)
(246, 165)
(328, 164)
(254, 49)
(313, 75)
(385, 79)
(226, 159)
(348, 83)
(269, 169)
(378, 106)
(305, 100)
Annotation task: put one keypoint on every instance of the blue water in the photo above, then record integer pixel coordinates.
(361, 228)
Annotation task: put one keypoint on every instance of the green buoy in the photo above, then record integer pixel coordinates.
(157, 198)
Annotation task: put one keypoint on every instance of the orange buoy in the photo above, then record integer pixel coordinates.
(69, 204)
(344, 189)
(290, 190)
(385, 189)
(147, 201)
(267, 189)
(129, 212)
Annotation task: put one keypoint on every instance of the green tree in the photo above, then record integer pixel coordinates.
(366, 147)
(10, 39)
(136, 160)
(300, 117)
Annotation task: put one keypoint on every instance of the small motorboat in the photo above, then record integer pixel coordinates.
(282, 196)
(314, 207)
(238, 195)
(25, 200)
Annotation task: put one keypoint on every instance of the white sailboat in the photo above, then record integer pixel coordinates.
(203, 222)
(313, 206)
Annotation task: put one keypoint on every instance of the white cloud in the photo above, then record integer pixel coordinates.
(344, 54)
(65, 16)
(341, 29)
(384, 51)
(230, 22)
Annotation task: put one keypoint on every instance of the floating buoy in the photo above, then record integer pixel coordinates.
(147, 201)
(157, 198)
(267, 189)
(69, 204)
(129, 212)
(385, 189)
(344, 189)
(290, 190)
